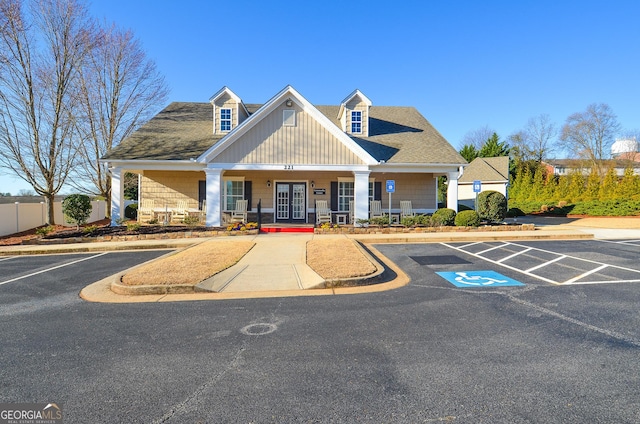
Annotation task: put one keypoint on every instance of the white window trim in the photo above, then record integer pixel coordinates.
(372, 187)
(230, 119)
(351, 121)
(284, 117)
(224, 189)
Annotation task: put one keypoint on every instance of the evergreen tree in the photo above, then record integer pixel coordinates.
(593, 186)
(608, 186)
(576, 187)
(524, 186)
(494, 148)
(536, 193)
(627, 187)
(562, 188)
(469, 152)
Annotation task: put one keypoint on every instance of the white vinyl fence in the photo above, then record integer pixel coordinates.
(17, 217)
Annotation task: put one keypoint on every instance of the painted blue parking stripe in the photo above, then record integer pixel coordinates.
(478, 279)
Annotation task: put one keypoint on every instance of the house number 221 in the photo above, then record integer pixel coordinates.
(288, 167)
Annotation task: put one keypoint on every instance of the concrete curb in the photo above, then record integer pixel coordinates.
(101, 291)
(337, 283)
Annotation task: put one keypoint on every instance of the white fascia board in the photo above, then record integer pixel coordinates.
(287, 92)
(281, 167)
(353, 94)
(156, 165)
(417, 167)
(233, 95)
(483, 182)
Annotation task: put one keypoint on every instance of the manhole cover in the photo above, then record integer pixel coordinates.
(439, 260)
(259, 329)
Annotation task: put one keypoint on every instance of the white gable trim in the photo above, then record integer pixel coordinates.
(287, 93)
(354, 93)
(231, 94)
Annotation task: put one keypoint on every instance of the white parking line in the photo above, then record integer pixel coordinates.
(501, 264)
(559, 257)
(7, 258)
(493, 248)
(52, 268)
(584, 274)
(513, 256)
(626, 242)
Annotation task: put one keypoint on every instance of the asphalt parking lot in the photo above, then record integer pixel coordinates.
(549, 351)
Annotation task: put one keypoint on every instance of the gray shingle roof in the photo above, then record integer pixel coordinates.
(486, 169)
(185, 130)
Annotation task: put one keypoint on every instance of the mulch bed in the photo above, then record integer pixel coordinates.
(103, 230)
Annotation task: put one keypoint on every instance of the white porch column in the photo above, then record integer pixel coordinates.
(361, 195)
(117, 195)
(452, 190)
(214, 197)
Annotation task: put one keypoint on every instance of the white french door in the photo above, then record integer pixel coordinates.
(291, 202)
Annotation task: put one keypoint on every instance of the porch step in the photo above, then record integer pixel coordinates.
(280, 229)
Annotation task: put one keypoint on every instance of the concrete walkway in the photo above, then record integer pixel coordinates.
(277, 260)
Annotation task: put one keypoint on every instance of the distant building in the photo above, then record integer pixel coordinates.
(626, 148)
(493, 174)
(569, 166)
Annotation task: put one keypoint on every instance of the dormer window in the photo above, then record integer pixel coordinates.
(356, 121)
(225, 119)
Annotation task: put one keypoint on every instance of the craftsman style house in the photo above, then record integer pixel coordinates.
(285, 155)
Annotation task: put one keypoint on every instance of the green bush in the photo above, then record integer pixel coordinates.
(43, 231)
(467, 219)
(77, 209)
(423, 220)
(444, 217)
(191, 220)
(408, 221)
(89, 229)
(131, 211)
(384, 220)
(133, 226)
(492, 206)
(514, 212)
(607, 208)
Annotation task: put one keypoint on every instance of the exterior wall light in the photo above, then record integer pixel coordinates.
(268, 183)
(313, 184)
(289, 103)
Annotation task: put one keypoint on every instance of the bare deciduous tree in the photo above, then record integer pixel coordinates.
(478, 137)
(41, 50)
(589, 134)
(535, 141)
(119, 89)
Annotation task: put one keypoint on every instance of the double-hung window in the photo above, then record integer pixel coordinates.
(346, 190)
(233, 191)
(225, 119)
(356, 121)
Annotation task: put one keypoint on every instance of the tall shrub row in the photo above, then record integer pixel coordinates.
(530, 192)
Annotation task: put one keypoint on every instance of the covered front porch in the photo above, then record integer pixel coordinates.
(284, 196)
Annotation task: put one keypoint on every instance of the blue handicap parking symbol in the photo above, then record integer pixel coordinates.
(478, 279)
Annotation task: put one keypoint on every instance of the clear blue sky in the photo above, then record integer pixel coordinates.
(462, 64)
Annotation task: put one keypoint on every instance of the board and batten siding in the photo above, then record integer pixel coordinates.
(306, 143)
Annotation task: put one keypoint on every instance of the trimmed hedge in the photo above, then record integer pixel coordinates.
(443, 217)
(467, 219)
(492, 206)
